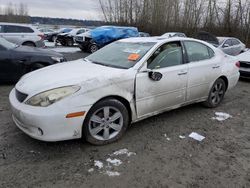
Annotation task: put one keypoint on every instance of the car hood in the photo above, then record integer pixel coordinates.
(78, 72)
(37, 51)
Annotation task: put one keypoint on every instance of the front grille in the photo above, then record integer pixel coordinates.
(244, 64)
(20, 96)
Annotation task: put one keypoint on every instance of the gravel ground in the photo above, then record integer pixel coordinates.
(156, 156)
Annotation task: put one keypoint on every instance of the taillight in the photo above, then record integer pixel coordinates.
(237, 64)
(42, 36)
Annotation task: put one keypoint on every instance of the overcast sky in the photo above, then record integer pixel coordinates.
(79, 9)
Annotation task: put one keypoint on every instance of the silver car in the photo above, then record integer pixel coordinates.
(21, 34)
(231, 46)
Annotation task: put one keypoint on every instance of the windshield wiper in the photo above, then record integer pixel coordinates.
(107, 65)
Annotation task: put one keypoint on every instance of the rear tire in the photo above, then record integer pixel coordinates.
(106, 122)
(70, 42)
(216, 94)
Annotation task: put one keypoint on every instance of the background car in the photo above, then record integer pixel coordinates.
(174, 34)
(207, 37)
(97, 98)
(51, 37)
(22, 34)
(143, 34)
(67, 39)
(99, 37)
(16, 61)
(244, 59)
(46, 31)
(231, 46)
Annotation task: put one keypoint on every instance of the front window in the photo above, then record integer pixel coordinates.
(121, 54)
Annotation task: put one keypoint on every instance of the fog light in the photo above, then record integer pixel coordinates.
(40, 132)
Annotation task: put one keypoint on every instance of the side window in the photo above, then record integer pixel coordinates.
(2, 48)
(167, 55)
(197, 51)
(17, 29)
(1, 29)
(235, 42)
(80, 31)
(211, 52)
(227, 43)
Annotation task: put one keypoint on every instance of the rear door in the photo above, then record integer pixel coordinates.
(204, 68)
(156, 96)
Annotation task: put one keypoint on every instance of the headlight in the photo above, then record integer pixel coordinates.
(47, 98)
(57, 59)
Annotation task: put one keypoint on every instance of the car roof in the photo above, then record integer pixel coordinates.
(18, 24)
(159, 40)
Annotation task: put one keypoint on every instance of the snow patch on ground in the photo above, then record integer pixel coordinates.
(221, 116)
(112, 174)
(98, 164)
(49, 44)
(123, 152)
(67, 49)
(115, 162)
(91, 170)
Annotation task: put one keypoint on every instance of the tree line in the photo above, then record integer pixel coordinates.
(17, 13)
(220, 17)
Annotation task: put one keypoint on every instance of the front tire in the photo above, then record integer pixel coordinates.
(92, 48)
(216, 94)
(106, 122)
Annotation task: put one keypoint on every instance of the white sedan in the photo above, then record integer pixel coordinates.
(96, 98)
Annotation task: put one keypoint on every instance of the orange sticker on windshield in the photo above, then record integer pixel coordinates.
(133, 57)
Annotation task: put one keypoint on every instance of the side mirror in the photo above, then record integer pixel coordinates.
(156, 76)
(225, 45)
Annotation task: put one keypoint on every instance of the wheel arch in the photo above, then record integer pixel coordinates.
(25, 42)
(224, 78)
(124, 101)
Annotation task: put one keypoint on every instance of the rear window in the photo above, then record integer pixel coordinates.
(17, 29)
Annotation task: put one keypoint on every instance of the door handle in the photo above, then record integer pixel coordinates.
(182, 73)
(216, 67)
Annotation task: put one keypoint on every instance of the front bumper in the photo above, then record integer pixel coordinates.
(46, 124)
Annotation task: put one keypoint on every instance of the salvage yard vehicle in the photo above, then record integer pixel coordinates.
(244, 59)
(51, 37)
(21, 34)
(97, 98)
(16, 61)
(67, 39)
(101, 36)
(231, 46)
(174, 34)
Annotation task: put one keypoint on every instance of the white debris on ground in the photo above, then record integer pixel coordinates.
(98, 164)
(115, 162)
(124, 152)
(221, 116)
(182, 137)
(66, 49)
(165, 135)
(196, 136)
(91, 170)
(111, 163)
(112, 174)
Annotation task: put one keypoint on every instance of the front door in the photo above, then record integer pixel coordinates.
(156, 96)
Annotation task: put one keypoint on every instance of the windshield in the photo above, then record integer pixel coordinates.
(6, 44)
(121, 54)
